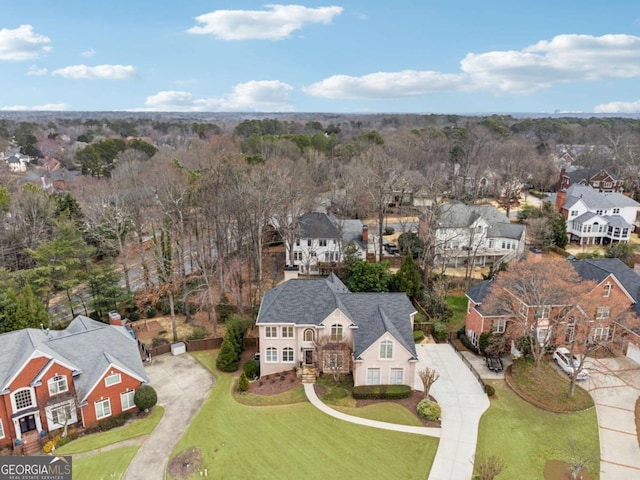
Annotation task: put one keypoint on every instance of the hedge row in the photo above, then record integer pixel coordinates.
(381, 392)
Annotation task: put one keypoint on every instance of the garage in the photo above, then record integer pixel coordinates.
(633, 352)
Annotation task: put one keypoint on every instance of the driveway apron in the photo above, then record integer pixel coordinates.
(182, 384)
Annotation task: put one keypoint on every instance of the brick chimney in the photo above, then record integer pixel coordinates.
(115, 319)
(561, 198)
(561, 184)
(365, 233)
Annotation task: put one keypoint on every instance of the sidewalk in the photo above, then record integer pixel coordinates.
(315, 401)
(463, 402)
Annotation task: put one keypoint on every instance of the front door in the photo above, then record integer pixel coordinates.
(308, 357)
(27, 423)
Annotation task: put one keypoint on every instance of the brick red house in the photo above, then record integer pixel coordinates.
(52, 378)
(617, 284)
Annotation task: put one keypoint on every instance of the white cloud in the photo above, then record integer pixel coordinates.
(275, 23)
(385, 85)
(34, 71)
(257, 96)
(22, 44)
(103, 72)
(58, 107)
(89, 53)
(618, 107)
(563, 59)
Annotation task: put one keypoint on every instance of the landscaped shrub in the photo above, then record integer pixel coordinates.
(251, 368)
(227, 360)
(151, 312)
(467, 343)
(429, 410)
(111, 422)
(134, 316)
(440, 331)
(158, 340)
(389, 230)
(489, 390)
(483, 341)
(145, 397)
(418, 336)
(49, 446)
(243, 383)
(381, 392)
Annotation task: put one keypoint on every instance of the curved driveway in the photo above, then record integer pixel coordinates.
(182, 384)
(463, 402)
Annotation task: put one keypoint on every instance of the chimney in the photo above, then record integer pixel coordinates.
(115, 319)
(365, 233)
(561, 198)
(561, 184)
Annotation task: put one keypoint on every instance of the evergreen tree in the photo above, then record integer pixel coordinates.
(227, 360)
(407, 279)
(243, 383)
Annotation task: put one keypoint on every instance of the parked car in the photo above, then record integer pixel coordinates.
(569, 363)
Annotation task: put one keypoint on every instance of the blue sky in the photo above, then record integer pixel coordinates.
(422, 56)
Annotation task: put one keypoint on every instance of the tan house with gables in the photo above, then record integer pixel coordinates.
(317, 326)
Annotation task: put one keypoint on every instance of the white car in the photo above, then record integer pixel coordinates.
(569, 363)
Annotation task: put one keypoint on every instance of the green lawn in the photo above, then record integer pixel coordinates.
(295, 395)
(383, 412)
(296, 441)
(110, 465)
(458, 304)
(525, 437)
(94, 441)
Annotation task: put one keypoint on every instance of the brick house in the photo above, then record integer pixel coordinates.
(617, 285)
(599, 178)
(318, 325)
(53, 378)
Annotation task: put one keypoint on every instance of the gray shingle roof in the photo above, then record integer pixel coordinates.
(600, 268)
(310, 301)
(595, 200)
(459, 215)
(86, 345)
(317, 225)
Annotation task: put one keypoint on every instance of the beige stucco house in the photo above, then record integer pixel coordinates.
(317, 326)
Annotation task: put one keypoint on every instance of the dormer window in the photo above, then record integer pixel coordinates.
(58, 384)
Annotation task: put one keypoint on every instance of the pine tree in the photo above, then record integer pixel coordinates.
(243, 383)
(227, 360)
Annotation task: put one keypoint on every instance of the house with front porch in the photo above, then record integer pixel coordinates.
(318, 326)
(596, 218)
(50, 379)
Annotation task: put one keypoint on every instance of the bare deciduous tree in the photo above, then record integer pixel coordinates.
(428, 377)
(488, 468)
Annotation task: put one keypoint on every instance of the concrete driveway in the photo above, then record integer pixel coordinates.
(614, 384)
(463, 402)
(182, 384)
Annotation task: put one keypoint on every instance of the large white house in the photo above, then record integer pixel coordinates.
(596, 218)
(477, 234)
(321, 242)
(316, 325)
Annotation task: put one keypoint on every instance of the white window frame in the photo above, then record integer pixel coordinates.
(100, 404)
(394, 378)
(112, 379)
(271, 355)
(524, 309)
(616, 211)
(15, 400)
(543, 312)
(322, 242)
(271, 332)
(287, 355)
(373, 376)
(599, 333)
(67, 414)
(126, 400)
(337, 333)
(2, 435)
(386, 349)
(287, 332)
(499, 325)
(308, 332)
(603, 312)
(607, 290)
(54, 384)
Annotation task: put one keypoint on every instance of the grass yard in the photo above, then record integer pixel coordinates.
(525, 437)
(296, 441)
(110, 465)
(548, 389)
(458, 304)
(295, 395)
(94, 441)
(383, 412)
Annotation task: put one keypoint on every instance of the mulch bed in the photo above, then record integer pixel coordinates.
(275, 383)
(409, 403)
(185, 464)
